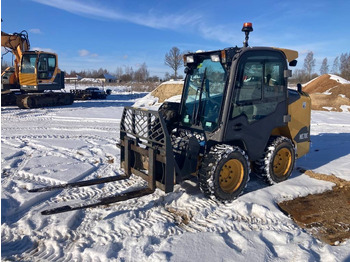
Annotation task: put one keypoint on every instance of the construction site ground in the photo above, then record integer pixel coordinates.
(50, 146)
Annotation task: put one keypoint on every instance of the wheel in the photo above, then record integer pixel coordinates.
(224, 173)
(278, 160)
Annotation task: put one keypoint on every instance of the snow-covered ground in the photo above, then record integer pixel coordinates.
(42, 147)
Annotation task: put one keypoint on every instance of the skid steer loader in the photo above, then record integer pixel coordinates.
(236, 113)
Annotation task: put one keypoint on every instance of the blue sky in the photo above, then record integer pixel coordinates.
(90, 34)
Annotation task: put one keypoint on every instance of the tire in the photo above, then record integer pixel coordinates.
(224, 173)
(277, 163)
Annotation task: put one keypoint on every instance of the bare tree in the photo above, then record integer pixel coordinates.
(309, 63)
(119, 72)
(299, 76)
(345, 65)
(324, 67)
(4, 65)
(174, 60)
(142, 73)
(335, 68)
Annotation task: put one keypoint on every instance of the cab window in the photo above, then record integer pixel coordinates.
(259, 86)
(46, 66)
(28, 64)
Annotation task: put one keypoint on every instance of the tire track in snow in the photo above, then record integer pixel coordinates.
(65, 137)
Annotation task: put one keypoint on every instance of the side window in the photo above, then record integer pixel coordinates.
(259, 85)
(42, 64)
(46, 66)
(52, 63)
(251, 85)
(28, 64)
(274, 82)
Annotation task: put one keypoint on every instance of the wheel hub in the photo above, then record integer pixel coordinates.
(231, 175)
(282, 162)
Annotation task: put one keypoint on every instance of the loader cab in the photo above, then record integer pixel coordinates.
(206, 79)
(236, 96)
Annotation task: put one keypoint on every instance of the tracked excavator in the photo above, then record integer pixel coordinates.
(236, 116)
(31, 82)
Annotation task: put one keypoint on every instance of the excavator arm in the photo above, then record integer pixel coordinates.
(17, 43)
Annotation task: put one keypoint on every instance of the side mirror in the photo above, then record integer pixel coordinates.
(299, 86)
(293, 63)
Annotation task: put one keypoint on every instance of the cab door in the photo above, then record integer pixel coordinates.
(46, 67)
(259, 101)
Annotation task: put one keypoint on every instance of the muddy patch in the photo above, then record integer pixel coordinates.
(325, 215)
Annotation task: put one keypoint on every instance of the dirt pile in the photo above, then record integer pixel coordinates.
(168, 89)
(328, 94)
(320, 84)
(325, 215)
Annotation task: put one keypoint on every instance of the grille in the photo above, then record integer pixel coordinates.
(145, 125)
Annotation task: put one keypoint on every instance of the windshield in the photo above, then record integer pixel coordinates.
(28, 63)
(203, 94)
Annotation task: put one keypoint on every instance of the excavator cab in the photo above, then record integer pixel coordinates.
(39, 72)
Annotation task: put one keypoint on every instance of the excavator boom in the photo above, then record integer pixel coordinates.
(17, 43)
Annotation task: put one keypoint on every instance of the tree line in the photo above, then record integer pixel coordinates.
(173, 59)
(340, 66)
(124, 74)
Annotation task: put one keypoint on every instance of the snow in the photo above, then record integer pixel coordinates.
(50, 146)
(345, 108)
(339, 79)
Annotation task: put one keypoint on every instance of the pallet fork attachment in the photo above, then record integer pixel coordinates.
(99, 202)
(143, 136)
(146, 147)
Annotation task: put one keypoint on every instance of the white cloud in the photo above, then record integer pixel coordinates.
(43, 49)
(149, 19)
(84, 52)
(35, 31)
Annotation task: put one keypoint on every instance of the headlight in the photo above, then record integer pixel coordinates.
(215, 58)
(189, 59)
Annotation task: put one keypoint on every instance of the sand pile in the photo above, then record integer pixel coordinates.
(168, 89)
(329, 93)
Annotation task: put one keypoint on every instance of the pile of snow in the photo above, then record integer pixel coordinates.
(339, 79)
